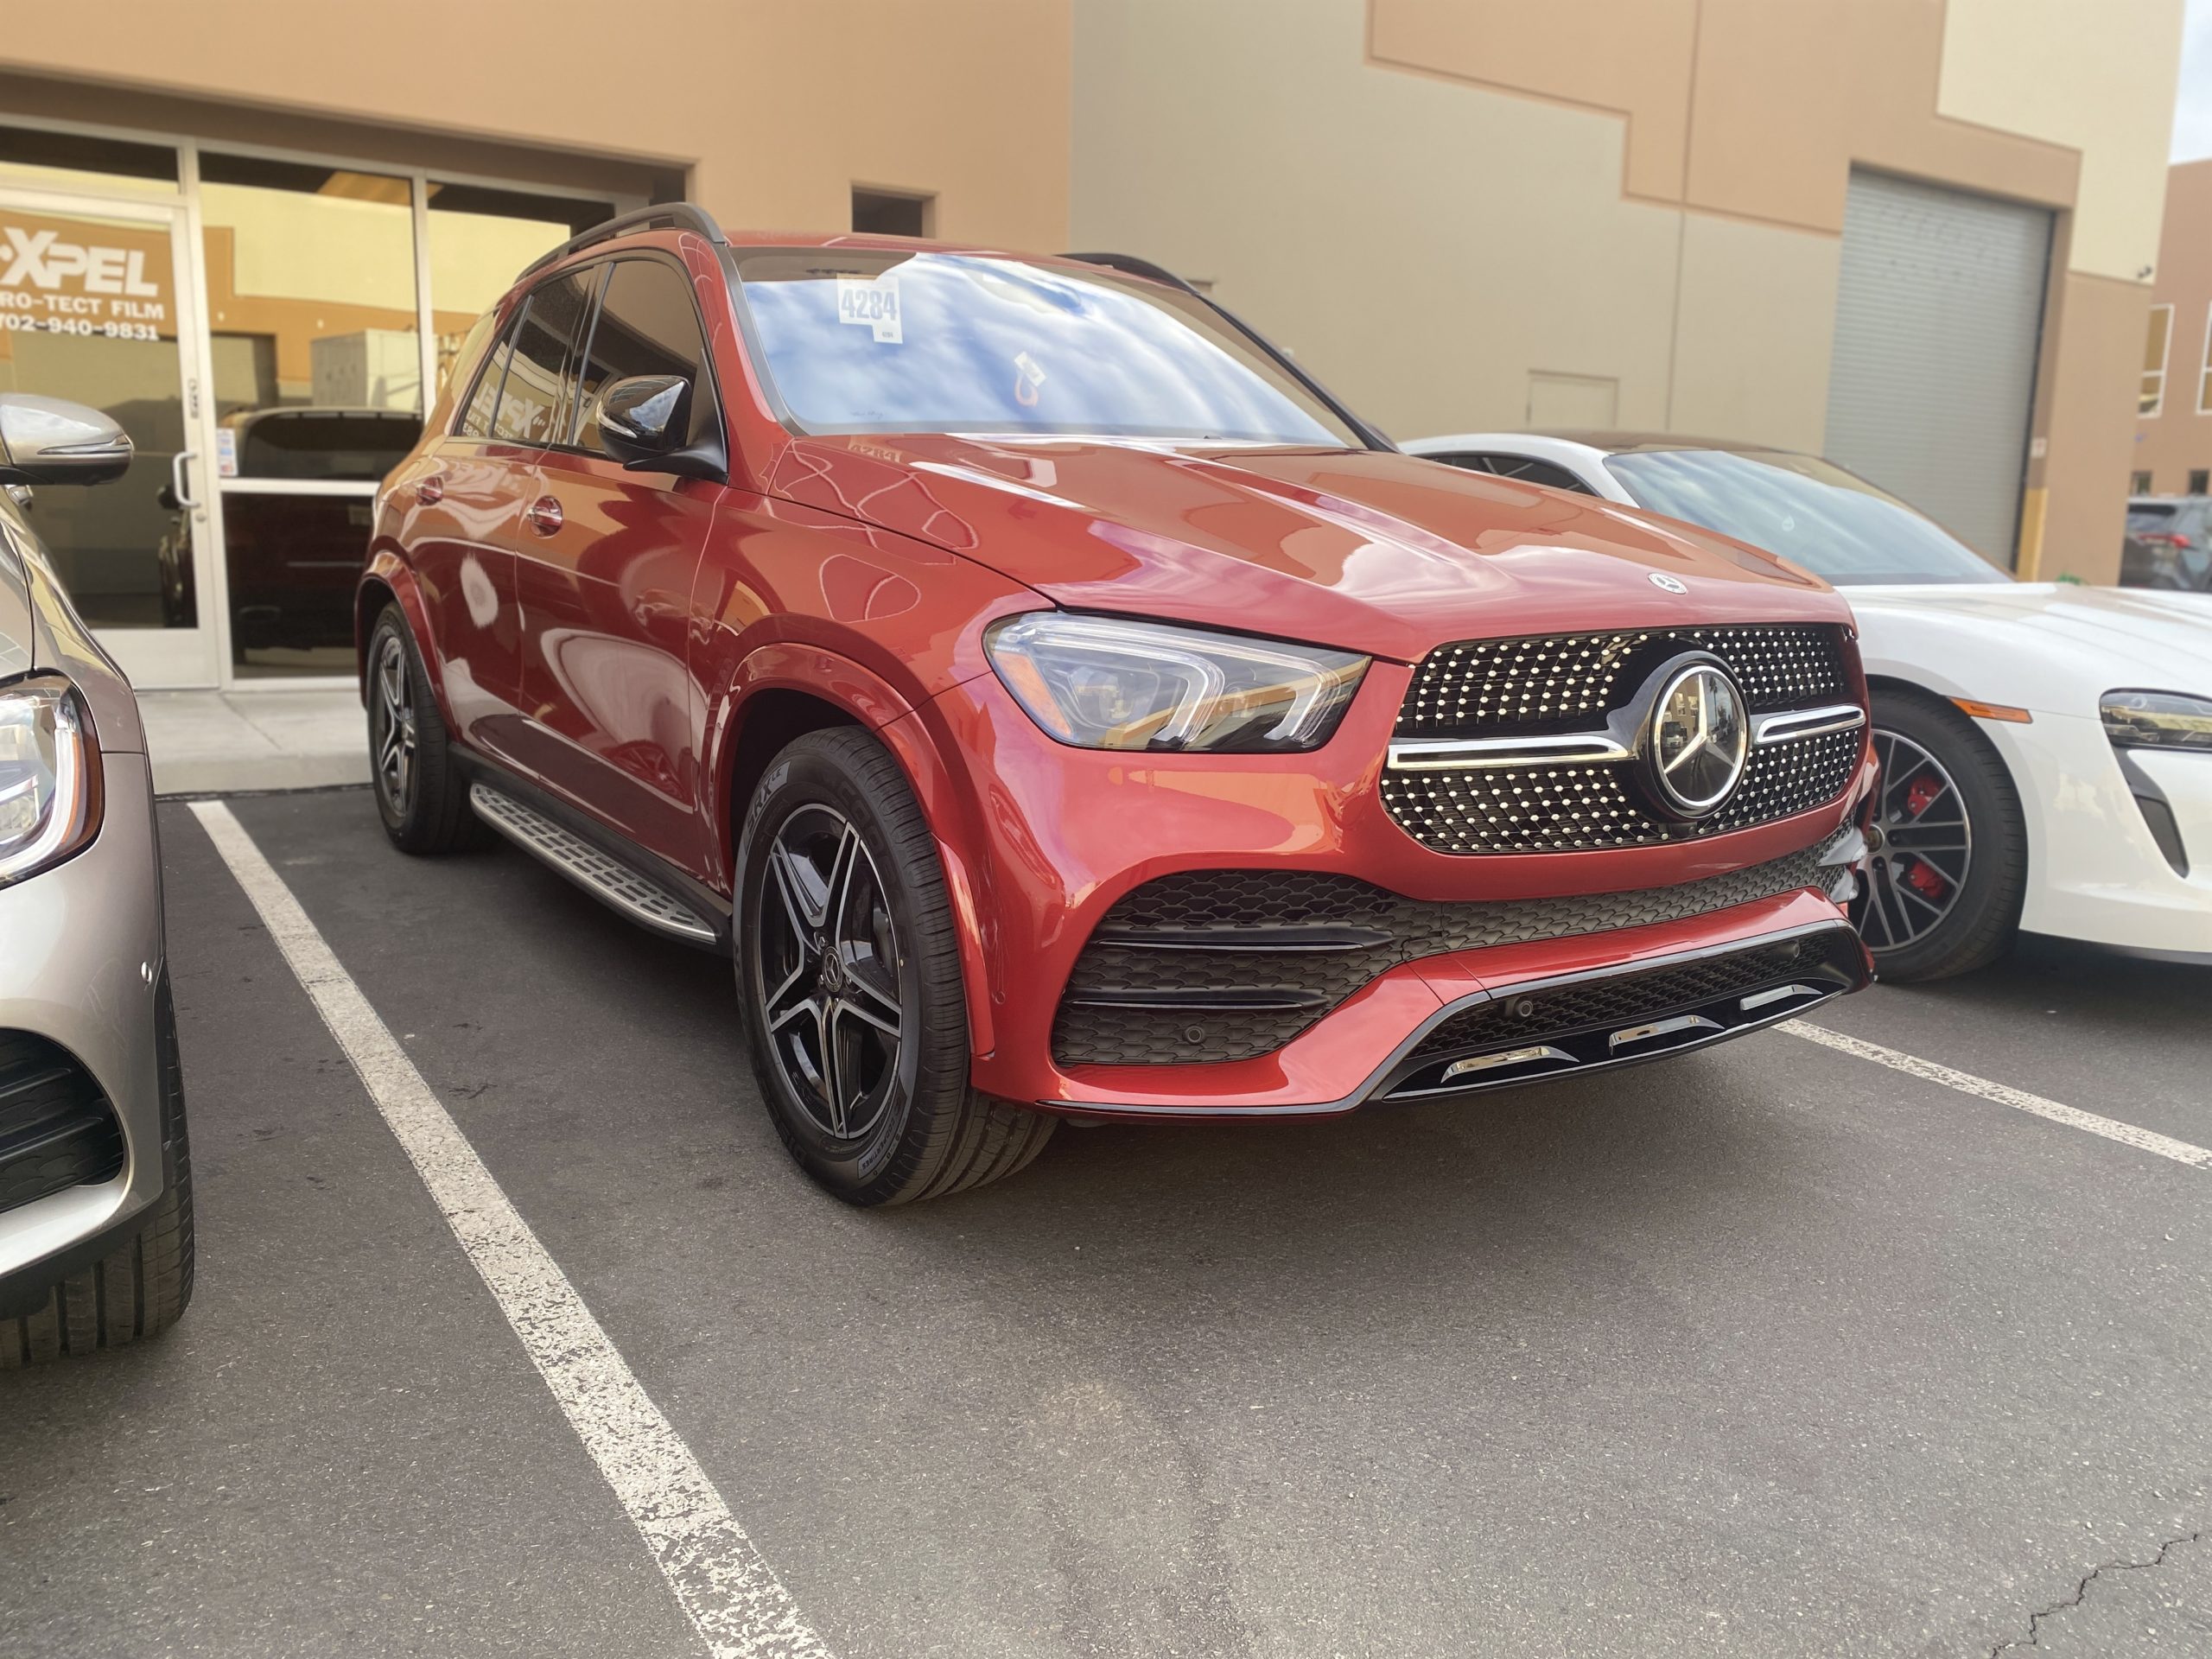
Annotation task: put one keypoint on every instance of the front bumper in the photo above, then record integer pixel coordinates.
(82, 968)
(2096, 872)
(1041, 839)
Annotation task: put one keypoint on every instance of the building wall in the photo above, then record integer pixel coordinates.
(768, 113)
(1443, 205)
(2177, 440)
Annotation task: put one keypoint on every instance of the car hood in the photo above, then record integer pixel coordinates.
(1371, 550)
(2049, 646)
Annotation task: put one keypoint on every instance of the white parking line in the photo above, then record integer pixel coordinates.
(732, 1597)
(2127, 1134)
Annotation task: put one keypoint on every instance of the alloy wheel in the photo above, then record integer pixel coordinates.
(829, 977)
(392, 726)
(1924, 847)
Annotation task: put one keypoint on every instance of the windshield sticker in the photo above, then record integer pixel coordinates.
(1030, 375)
(871, 304)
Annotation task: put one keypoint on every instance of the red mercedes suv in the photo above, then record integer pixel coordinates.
(1059, 705)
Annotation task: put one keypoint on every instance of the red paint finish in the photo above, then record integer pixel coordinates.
(609, 632)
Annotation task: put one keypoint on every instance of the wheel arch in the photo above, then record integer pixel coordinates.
(389, 581)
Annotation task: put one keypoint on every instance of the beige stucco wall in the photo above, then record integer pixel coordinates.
(2178, 439)
(775, 110)
(1435, 200)
(1425, 246)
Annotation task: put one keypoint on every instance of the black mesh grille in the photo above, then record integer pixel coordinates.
(1488, 687)
(1630, 999)
(57, 1129)
(1556, 809)
(1198, 942)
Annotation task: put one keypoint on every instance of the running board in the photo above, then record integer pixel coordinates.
(598, 874)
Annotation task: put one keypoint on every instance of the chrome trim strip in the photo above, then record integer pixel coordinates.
(1661, 1028)
(1468, 753)
(1793, 723)
(1511, 1056)
(1775, 993)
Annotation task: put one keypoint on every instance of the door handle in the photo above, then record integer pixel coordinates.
(544, 515)
(430, 490)
(176, 478)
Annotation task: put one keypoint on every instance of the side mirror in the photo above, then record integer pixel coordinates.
(47, 440)
(645, 421)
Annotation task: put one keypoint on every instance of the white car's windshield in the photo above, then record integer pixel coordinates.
(1810, 511)
(876, 340)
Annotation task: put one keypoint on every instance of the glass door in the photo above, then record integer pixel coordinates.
(95, 307)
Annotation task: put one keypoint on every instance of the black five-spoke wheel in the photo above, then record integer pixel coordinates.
(849, 976)
(829, 951)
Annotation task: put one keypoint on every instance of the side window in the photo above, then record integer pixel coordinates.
(536, 393)
(647, 325)
(476, 419)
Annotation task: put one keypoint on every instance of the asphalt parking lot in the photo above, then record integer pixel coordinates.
(1770, 1350)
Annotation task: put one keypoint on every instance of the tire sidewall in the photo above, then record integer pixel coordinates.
(880, 1164)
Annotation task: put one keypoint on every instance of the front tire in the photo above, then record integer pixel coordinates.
(849, 978)
(1946, 879)
(137, 1290)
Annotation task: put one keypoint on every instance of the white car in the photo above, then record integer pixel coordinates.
(2046, 747)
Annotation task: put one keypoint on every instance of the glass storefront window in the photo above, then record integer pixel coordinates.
(69, 160)
(310, 286)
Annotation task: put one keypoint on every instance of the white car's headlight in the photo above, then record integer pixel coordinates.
(49, 776)
(1104, 683)
(2157, 720)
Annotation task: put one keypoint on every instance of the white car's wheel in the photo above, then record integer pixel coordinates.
(1950, 860)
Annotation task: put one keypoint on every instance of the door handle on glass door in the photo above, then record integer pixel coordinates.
(177, 478)
(544, 515)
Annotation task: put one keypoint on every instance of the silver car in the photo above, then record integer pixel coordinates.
(95, 1180)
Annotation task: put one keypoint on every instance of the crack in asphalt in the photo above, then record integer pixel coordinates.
(2081, 1591)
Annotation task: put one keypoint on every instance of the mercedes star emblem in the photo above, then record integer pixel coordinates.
(1699, 735)
(1672, 584)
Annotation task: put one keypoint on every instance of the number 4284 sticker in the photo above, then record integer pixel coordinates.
(871, 303)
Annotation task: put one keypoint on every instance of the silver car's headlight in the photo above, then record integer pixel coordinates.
(1104, 683)
(2157, 720)
(49, 776)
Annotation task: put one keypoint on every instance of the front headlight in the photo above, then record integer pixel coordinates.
(1103, 682)
(49, 776)
(2157, 720)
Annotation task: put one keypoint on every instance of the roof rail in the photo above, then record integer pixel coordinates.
(668, 216)
(1373, 436)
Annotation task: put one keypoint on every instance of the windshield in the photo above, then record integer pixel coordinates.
(859, 341)
(1813, 513)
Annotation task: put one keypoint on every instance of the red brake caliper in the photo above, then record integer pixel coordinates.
(1921, 876)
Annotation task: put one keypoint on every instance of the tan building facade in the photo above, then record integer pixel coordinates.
(2173, 435)
(1475, 214)
(261, 228)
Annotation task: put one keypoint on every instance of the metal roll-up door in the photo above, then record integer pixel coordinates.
(1938, 322)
